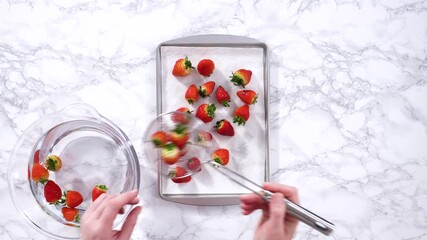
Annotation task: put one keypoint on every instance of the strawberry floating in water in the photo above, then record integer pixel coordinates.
(36, 157)
(53, 163)
(98, 190)
(39, 173)
(73, 198)
(71, 214)
(52, 192)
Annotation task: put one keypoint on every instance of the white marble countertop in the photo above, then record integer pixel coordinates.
(348, 101)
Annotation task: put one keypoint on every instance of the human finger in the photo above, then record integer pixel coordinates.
(289, 192)
(105, 204)
(251, 199)
(115, 204)
(133, 202)
(94, 205)
(129, 223)
(248, 208)
(277, 210)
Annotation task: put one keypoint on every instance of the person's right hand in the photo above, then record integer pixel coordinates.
(274, 223)
(97, 221)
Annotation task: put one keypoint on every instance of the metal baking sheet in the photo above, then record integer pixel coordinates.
(249, 148)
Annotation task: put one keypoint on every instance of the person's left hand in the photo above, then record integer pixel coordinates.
(97, 221)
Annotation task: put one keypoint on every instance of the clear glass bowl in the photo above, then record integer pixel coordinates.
(93, 151)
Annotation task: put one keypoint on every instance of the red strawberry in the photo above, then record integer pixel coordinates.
(170, 153)
(183, 150)
(192, 94)
(182, 67)
(177, 173)
(241, 77)
(52, 192)
(98, 190)
(241, 115)
(73, 198)
(159, 138)
(221, 156)
(37, 156)
(184, 110)
(181, 118)
(206, 112)
(53, 163)
(39, 173)
(247, 96)
(206, 67)
(206, 89)
(71, 214)
(224, 127)
(222, 96)
(179, 135)
(194, 164)
(204, 137)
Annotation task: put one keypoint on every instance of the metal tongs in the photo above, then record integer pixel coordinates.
(302, 214)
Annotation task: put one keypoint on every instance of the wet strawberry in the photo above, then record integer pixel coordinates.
(206, 112)
(39, 173)
(224, 127)
(241, 77)
(177, 175)
(53, 163)
(221, 156)
(71, 214)
(241, 115)
(159, 138)
(204, 137)
(181, 118)
(98, 190)
(183, 150)
(194, 164)
(222, 96)
(73, 199)
(180, 135)
(52, 192)
(182, 67)
(206, 89)
(206, 67)
(247, 96)
(37, 156)
(170, 153)
(192, 94)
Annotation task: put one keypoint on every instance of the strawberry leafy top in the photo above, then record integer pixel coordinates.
(187, 63)
(211, 110)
